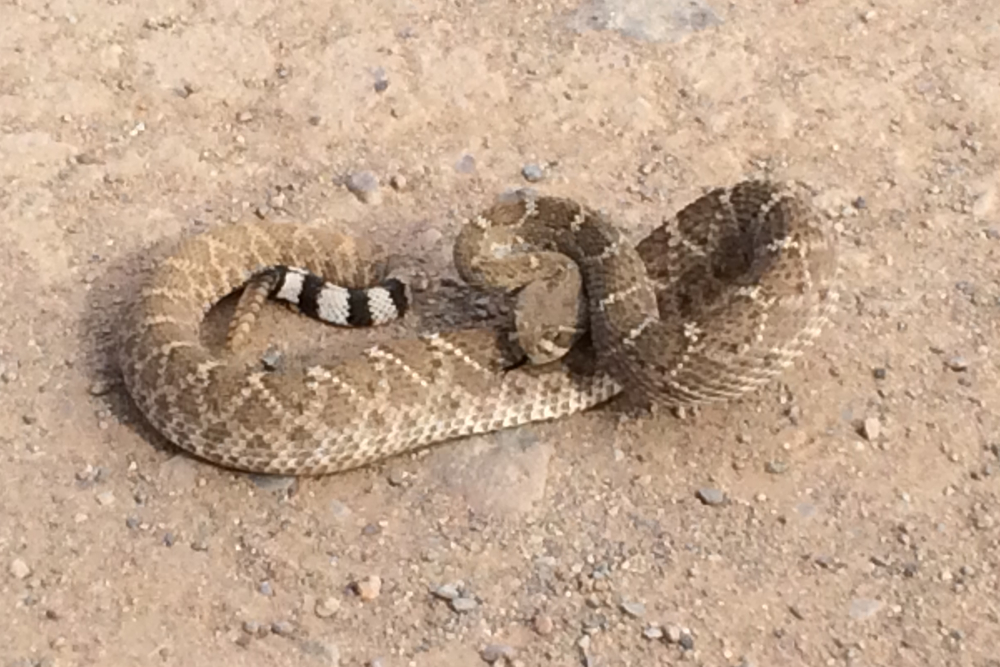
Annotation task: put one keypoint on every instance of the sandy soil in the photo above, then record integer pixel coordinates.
(860, 521)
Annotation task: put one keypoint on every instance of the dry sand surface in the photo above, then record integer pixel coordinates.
(846, 515)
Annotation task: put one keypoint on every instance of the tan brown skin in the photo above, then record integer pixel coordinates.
(713, 303)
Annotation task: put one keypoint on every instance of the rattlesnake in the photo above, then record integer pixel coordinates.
(713, 303)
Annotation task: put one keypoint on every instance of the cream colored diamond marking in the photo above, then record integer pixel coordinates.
(377, 352)
(438, 343)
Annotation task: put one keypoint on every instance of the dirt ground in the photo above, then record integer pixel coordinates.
(859, 521)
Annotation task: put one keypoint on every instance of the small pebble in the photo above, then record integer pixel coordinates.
(871, 428)
(283, 628)
(99, 388)
(687, 642)
(271, 359)
(169, 539)
(496, 652)
(277, 484)
(364, 186)
(327, 608)
(265, 588)
(463, 605)
(244, 117)
(653, 632)
(711, 496)
(674, 634)
(544, 624)
(634, 609)
(397, 182)
(879, 373)
(862, 608)
(532, 173)
(339, 510)
(466, 164)
(199, 545)
(776, 467)
(958, 364)
(447, 591)
(398, 477)
(90, 474)
(325, 653)
(369, 588)
(106, 498)
(19, 569)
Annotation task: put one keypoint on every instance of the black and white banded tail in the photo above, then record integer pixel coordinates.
(341, 306)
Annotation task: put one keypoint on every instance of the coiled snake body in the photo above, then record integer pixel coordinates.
(713, 303)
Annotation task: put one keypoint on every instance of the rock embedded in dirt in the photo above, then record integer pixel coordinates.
(871, 428)
(447, 591)
(957, 363)
(464, 605)
(364, 185)
(633, 609)
(862, 608)
(532, 173)
(544, 625)
(776, 467)
(711, 496)
(369, 588)
(19, 569)
(466, 164)
(283, 628)
(327, 607)
(493, 653)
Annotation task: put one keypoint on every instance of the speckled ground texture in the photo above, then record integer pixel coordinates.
(847, 515)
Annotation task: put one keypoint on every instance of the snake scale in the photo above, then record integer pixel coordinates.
(714, 302)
